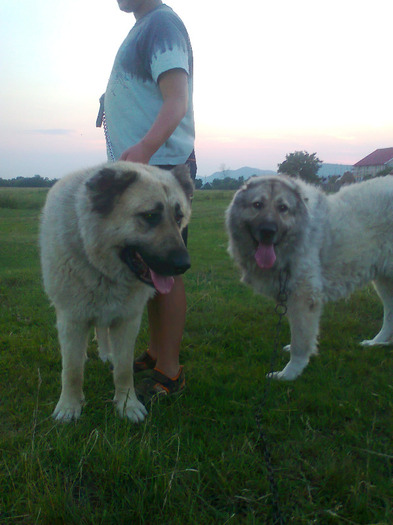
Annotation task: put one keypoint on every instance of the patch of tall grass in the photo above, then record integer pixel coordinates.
(22, 198)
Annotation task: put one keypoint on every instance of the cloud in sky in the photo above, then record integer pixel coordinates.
(270, 78)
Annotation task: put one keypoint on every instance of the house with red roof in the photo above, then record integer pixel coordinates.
(371, 165)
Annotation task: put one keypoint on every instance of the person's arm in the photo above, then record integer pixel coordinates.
(173, 85)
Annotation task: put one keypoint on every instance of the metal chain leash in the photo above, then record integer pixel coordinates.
(107, 138)
(280, 310)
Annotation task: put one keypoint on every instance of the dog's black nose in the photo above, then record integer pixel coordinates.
(181, 261)
(267, 232)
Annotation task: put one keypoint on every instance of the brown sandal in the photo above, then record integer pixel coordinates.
(144, 362)
(158, 384)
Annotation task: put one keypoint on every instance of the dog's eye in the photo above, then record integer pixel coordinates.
(152, 218)
(257, 205)
(283, 208)
(178, 218)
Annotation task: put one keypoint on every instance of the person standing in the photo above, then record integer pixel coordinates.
(147, 113)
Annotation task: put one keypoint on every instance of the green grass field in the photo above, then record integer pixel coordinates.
(195, 460)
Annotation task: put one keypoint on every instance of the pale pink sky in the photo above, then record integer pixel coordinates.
(270, 78)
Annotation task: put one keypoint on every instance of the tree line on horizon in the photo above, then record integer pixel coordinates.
(27, 182)
(298, 164)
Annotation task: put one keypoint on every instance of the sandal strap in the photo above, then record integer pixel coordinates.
(158, 384)
(144, 362)
(170, 385)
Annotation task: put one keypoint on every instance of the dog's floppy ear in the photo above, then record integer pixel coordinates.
(296, 186)
(301, 198)
(182, 175)
(106, 185)
(241, 194)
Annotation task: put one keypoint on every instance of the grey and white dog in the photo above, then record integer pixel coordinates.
(328, 245)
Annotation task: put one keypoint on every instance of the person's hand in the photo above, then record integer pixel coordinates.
(137, 153)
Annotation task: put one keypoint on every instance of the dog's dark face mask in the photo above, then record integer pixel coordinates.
(156, 271)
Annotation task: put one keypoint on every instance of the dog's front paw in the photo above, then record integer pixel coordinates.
(67, 410)
(275, 375)
(132, 409)
(282, 376)
(293, 369)
(367, 342)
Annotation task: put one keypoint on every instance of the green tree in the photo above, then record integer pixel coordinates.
(347, 178)
(301, 164)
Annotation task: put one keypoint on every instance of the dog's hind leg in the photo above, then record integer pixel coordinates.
(304, 315)
(73, 342)
(384, 288)
(122, 337)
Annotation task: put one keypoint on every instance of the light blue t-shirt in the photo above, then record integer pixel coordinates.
(157, 43)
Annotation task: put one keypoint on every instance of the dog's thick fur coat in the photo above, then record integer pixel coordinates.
(329, 245)
(109, 236)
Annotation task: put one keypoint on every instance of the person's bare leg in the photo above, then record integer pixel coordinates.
(167, 317)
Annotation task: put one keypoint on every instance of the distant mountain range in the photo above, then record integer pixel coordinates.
(325, 171)
(245, 172)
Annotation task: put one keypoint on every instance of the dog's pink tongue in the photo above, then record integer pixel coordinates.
(162, 283)
(265, 256)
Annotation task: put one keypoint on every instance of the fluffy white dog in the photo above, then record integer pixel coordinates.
(327, 245)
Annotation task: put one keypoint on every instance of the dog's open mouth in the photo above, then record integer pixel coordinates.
(264, 236)
(265, 255)
(135, 262)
